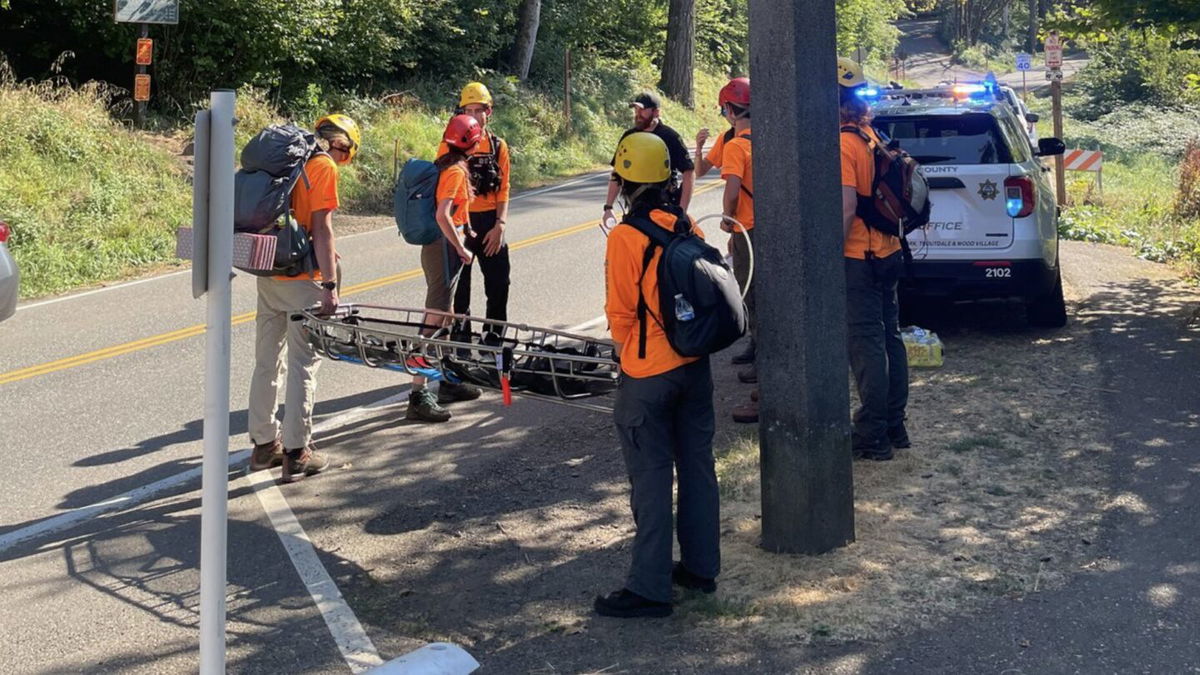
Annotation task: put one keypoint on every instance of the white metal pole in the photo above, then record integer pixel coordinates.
(215, 495)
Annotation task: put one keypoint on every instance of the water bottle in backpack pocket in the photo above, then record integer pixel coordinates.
(415, 202)
(699, 298)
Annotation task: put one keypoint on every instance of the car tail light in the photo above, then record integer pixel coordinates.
(4, 232)
(1019, 196)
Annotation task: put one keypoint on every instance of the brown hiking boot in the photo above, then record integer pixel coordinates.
(266, 455)
(303, 462)
(746, 414)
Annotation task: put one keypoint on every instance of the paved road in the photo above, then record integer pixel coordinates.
(101, 394)
(929, 61)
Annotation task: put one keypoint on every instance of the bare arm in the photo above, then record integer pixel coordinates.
(849, 207)
(444, 210)
(322, 237)
(614, 189)
(686, 190)
(733, 189)
(703, 166)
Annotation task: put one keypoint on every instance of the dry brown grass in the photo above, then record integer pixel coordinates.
(999, 496)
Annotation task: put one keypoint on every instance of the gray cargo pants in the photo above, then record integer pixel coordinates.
(877, 355)
(666, 422)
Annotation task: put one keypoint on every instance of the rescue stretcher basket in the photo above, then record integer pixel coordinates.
(542, 363)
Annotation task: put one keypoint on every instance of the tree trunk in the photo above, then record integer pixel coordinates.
(527, 29)
(680, 60)
(1033, 26)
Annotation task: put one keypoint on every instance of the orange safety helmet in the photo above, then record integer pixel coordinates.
(736, 92)
(463, 132)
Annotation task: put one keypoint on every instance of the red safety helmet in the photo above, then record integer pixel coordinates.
(736, 92)
(463, 132)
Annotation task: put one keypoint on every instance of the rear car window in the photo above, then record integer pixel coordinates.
(971, 138)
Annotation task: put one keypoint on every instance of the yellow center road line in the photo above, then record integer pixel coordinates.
(193, 331)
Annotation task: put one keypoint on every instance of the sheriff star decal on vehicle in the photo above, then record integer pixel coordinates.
(989, 190)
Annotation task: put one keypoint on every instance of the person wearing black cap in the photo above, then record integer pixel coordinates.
(646, 117)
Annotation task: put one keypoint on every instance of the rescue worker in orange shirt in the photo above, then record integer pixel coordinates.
(737, 169)
(443, 261)
(490, 171)
(313, 202)
(874, 262)
(664, 406)
(714, 158)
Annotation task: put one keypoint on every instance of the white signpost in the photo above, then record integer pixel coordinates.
(216, 212)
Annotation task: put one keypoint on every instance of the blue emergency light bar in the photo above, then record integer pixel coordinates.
(989, 89)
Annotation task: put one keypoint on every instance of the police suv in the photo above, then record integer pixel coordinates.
(993, 232)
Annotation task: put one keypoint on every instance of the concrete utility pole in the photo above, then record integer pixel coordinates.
(804, 430)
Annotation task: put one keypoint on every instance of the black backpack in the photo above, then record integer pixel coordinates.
(701, 304)
(899, 201)
(272, 163)
(485, 169)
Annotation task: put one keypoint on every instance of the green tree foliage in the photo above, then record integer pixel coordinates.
(301, 49)
(1139, 65)
(868, 25)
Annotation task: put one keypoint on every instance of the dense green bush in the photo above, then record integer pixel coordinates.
(1139, 66)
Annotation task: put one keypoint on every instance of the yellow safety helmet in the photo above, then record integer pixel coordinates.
(475, 92)
(850, 74)
(642, 157)
(349, 126)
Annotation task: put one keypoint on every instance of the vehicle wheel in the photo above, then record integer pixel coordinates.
(1050, 310)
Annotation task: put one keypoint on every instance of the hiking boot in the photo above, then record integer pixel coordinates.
(746, 414)
(882, 453)
(899, 437)
(625, 604)
(450, 392)
(266, 455)
(747, 355)
(423, 407)
(303, 462)
(748, 376)
(681, 577)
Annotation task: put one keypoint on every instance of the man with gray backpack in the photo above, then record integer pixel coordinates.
(288, 186)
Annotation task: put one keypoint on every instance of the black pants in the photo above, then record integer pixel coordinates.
(496, 271)
(665, 423)
(877, 356)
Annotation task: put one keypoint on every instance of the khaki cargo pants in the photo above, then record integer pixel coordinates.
(276, 335)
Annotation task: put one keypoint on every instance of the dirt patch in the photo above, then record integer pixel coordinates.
(1002, 494)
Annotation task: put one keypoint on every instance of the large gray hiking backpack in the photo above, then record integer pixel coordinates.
(272, 163)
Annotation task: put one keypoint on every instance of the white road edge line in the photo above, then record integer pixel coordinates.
(149, 491)
(352, 641)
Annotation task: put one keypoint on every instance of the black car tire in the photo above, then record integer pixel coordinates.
(1049, 310)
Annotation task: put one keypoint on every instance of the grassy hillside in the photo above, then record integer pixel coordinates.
(91, 201)
(88, 200)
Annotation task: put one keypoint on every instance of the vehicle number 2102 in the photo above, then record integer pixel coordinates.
(998, 273)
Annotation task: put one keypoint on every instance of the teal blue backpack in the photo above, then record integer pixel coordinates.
(415, 202)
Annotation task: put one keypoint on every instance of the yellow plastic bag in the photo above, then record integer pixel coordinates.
(923, 346)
